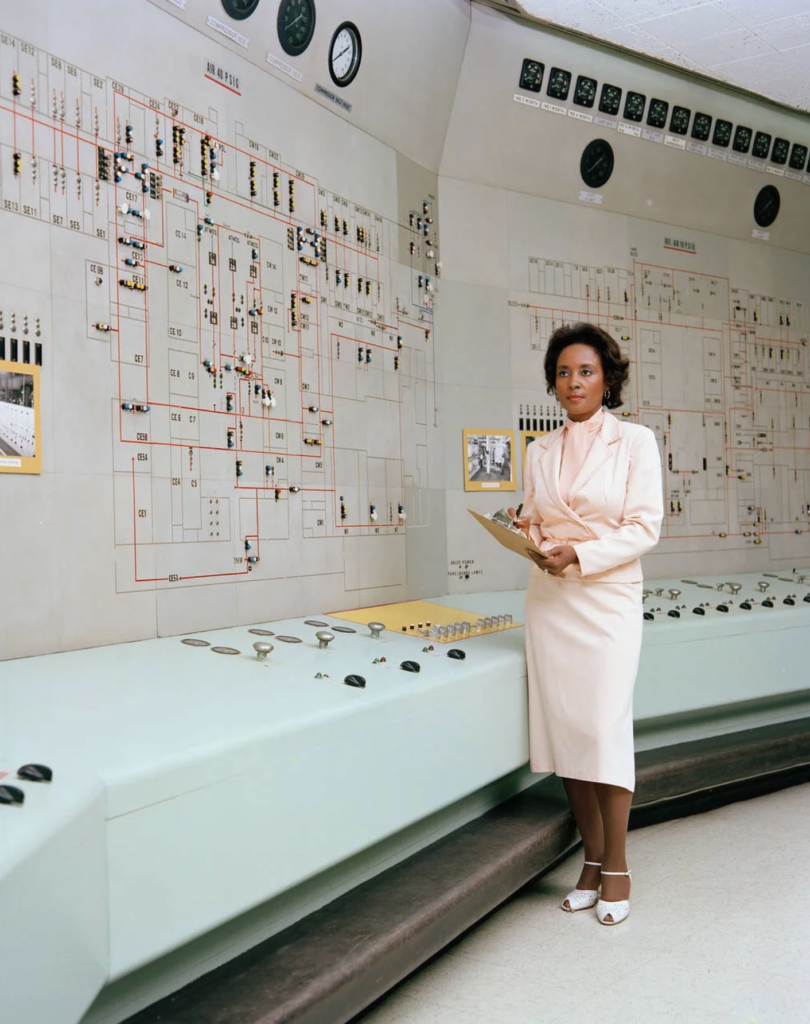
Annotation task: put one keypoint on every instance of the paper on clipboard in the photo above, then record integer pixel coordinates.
(511, 539)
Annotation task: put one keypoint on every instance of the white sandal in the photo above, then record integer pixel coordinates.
(581, 899)
(617, 909)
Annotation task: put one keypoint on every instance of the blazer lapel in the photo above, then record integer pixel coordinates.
(601, 451)
(550, 462)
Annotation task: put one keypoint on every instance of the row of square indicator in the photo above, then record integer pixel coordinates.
(14, 350)
(762, 145)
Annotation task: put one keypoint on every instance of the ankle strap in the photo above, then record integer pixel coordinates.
(593, 863)
(627, 873)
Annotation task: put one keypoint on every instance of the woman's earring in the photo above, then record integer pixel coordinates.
(607, 394)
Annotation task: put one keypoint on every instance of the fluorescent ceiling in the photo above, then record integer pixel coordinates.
(760, 45)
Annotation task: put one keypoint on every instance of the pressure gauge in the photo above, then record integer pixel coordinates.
(742, 139)
(610, 99)
(596, 165)
(634, 106)
(779, 153)
(679, 122)
(559, 82)
(585, 91)
(701, 127)
(657, 114)
(240, 9)
(722, 133)
(295, 25)
(798, 156)
(766, 206)
(345, 52)
(762, 145)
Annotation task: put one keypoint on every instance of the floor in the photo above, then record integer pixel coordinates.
(718, 933)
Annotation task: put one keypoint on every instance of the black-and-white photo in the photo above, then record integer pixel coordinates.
(489, 460)
(17, 424)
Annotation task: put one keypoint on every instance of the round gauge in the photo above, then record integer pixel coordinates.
(345, 52)
(240, 9)
(596, 165)
(766, 206)
(295, 25)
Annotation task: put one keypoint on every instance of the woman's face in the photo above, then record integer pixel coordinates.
(580, 381)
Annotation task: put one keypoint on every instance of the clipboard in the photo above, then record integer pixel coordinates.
(510, 539)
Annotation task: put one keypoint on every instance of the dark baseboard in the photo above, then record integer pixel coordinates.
(328, 967)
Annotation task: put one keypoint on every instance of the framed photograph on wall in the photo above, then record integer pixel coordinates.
(20, 439)
(489, 460)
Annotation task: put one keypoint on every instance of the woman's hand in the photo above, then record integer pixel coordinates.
(523, 523)
(555, 560)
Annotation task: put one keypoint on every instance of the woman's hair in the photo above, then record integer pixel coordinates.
(615, 366)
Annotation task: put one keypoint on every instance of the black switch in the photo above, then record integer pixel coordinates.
(746, 605)
(674, 614)
(354, 680)
(410, 666)
(11, 795)
(35, 773)
(699, 611)
(722, 607)
(649, 616)
(454, 652)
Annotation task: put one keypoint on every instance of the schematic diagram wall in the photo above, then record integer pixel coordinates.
(268, 341)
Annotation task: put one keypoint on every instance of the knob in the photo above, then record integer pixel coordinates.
(645, 594)
(721, 585)
(262, 649)
(376, 628)
(324, 638)
(674, 593)
(763, 586)
(735, 588)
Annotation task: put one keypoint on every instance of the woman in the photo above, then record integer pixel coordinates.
(593, 504)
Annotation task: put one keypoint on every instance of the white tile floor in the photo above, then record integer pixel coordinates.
(718, 933)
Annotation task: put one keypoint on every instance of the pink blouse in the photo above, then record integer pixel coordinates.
(577, 440)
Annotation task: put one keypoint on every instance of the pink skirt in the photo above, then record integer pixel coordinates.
(583, 642)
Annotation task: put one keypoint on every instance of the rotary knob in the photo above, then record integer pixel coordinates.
(262, 649)
(763, 586)
(735, 588)
(376, 628)
(324, 638)
(674, 593)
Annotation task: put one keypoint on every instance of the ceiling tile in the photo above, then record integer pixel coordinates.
(754, 13)
(799, 56)
(724, 48)
(786, 32)
(684, 26)
(752, 71)
(640, 10)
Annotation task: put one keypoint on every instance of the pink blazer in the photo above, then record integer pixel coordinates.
(616, 503)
